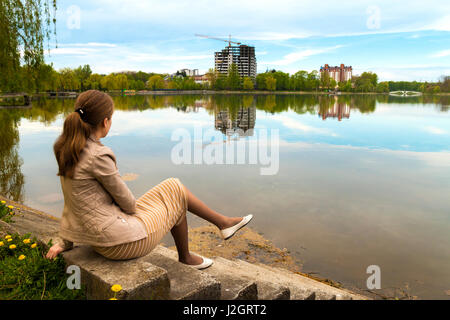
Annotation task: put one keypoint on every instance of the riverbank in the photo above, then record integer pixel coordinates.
(218, 92)
(247, 245)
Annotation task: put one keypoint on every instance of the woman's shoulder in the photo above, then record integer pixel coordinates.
(96, 148)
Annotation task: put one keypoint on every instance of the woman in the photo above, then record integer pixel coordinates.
(101, 211)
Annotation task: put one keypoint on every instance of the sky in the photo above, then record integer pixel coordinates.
(398, 40)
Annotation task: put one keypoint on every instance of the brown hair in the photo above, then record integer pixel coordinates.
(91, 108)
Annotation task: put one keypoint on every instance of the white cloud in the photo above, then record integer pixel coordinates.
(434, 130)
(291, 123)
(440, 54)
(300, 55)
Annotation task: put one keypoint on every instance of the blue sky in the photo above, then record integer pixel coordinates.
(399, 40)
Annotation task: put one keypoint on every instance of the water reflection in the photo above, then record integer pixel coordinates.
(233, 114)
(241, 123)
(337, 110)
(11, 177)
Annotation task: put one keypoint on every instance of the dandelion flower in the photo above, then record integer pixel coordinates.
(1, 243)
(11, 213)
(21, 257)
(11, 207)
(9, 239)
(26, 241)
(34, 245)
(116, 288)
(13, 246)
(112, 298)
(3, 202)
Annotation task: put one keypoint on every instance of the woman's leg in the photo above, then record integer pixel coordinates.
(197, 207)
(180, 232)
(180, 235)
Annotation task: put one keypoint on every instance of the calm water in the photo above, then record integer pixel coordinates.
(362, 180)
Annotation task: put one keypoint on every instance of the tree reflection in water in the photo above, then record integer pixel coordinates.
(232, 113)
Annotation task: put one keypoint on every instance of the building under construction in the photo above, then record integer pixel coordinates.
(242, 56)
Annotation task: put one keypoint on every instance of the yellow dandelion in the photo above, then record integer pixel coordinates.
(116, 288)
(7, 236)
(26, 241)
(34, 245)
(21, 257)
(3, 202)
(1, 243)
(112, 298)
(13, 246)
(9, 239)
(11, 213)
(11, 207)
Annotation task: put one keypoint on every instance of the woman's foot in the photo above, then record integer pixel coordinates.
(230, 222)
(227, 233)
(191, 259)
(197, 262)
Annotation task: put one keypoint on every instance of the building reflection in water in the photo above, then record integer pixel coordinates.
(241, 123)
(337, 109)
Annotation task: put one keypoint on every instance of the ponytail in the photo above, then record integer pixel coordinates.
(91, 107)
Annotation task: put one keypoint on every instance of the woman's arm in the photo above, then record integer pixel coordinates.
(105, 171)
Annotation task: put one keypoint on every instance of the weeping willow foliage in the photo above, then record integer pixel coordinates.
(25, 27)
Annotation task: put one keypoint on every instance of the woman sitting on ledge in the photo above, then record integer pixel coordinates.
(100, 210)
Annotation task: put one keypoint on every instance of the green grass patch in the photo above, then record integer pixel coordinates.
(25, 273)
(6, 212)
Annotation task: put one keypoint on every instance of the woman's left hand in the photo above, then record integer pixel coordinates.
(54, 251)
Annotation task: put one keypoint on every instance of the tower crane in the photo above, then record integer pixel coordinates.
(229, 39)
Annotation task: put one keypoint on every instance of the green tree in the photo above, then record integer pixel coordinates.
(93, 82)
(155, 82)
(366, 82)
(325, 80)
(24, 27)
(248, 84)
(382, 87)
(212, 77)
(271, 83)
(68, 81)
(121, 81)
(108, 82)
(261, 81)
(298, 80)
(83, 73)
(233, 78)
(282, 79)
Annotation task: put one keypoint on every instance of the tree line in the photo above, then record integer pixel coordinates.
(46, 79)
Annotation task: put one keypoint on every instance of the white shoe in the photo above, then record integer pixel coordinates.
(205, 264)
(229, 232)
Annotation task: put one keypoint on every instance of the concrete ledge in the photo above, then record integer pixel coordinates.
(232, 286)
(186, 283)
(139, 279)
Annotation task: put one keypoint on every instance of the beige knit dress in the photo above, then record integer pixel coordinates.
(160, 209)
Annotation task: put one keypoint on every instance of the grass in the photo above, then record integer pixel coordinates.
(6, 212)
(25, 273)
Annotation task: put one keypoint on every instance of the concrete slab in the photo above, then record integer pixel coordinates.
(139, 279)
(233, 287)
(186, 283)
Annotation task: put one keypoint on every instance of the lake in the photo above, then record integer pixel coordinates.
(361, 180)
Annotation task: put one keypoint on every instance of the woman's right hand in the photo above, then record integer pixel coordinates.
(54, 251)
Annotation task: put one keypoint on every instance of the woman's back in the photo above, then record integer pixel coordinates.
(98, 206)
